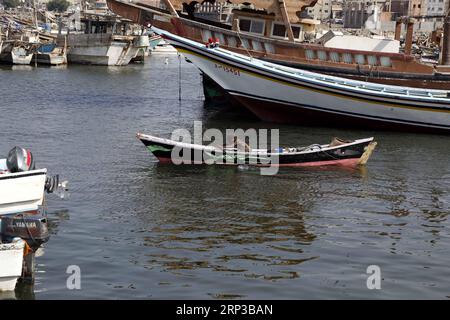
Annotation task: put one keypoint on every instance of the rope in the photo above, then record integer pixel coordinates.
(240, 39)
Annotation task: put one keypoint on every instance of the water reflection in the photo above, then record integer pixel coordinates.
(236, 228)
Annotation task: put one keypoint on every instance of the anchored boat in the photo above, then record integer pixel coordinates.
(282, 94)
(50, 54)
(23, 224)
(338, 152)
(15, 52)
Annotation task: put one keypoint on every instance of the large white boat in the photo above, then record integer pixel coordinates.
(11, 260)
(22, 187)
(103, 49)
(282, 94)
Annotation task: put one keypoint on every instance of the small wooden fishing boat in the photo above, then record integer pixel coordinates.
(338, 152)
(50, 54)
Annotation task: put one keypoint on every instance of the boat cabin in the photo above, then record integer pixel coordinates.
(265, 24)
(284, 19)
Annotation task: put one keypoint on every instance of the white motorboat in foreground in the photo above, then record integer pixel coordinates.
(22, 186)
(21, 191)
(11, 260)
(22, 224)
(282, 94)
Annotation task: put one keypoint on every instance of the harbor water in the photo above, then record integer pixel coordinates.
(139, 229)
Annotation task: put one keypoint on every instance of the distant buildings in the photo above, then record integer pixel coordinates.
(322, 10)
(355, 13)
(436, 7)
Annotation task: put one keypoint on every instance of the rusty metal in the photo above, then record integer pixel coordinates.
(446, 41)
(409, 36)
(398, 29)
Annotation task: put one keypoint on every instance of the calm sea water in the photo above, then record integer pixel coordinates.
(138, 229)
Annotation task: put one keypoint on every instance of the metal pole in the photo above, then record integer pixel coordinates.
(179, 77)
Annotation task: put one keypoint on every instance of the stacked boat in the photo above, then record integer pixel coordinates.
(23, 223)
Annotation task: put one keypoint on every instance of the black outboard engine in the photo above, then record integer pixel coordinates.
(19, 160)
(31, 228)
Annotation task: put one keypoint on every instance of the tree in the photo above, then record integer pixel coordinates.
(58, 5)
(10, 3)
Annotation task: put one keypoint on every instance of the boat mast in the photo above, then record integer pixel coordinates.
(35, 14)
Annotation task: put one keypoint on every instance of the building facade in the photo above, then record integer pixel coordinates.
(322, 10)
(436, 7)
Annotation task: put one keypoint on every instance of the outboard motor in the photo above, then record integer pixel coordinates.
(31, 228)
(19, 160)
(54, 185)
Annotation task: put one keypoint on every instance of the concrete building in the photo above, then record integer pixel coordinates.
(321, 11)
(436, 7)
(418, 8)
(357, 12)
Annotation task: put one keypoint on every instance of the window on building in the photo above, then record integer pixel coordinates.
(251, 25)
(244, 24)
(296, 31)
(279, 30)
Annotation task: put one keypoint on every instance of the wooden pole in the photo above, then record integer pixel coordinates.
(171, 7)
(286, 21)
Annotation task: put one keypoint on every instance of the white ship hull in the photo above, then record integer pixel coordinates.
(102, 49)
(281, 94)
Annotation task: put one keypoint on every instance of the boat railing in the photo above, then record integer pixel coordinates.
(359, 85)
